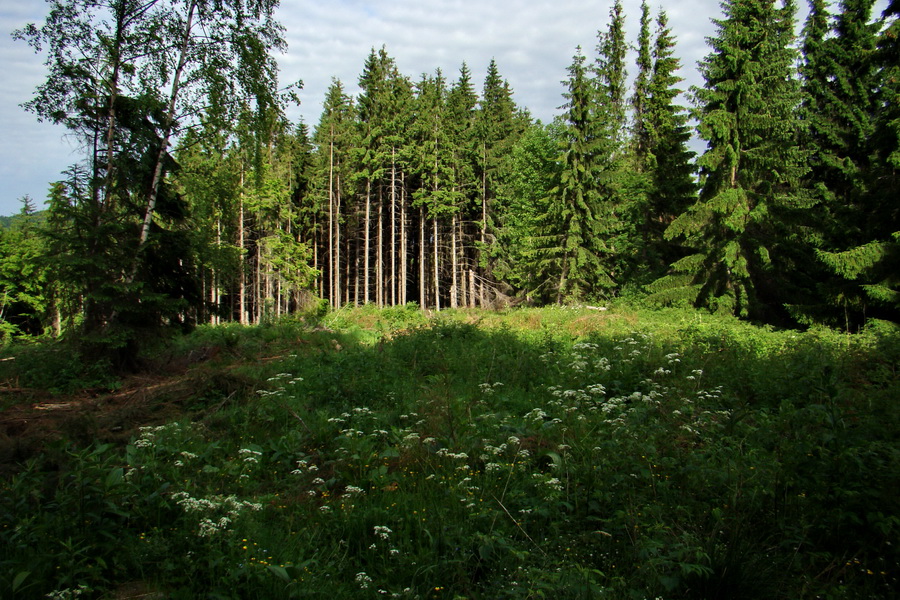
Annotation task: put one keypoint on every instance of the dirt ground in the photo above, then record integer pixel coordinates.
(34, 420)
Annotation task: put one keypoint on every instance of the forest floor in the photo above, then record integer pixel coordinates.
(33, 419)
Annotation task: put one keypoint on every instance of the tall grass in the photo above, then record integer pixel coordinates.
(527, 454)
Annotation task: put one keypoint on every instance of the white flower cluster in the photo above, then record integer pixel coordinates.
(211, 524)
(489, 389)
(249, 456)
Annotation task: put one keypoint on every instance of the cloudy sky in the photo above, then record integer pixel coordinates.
(532, 41)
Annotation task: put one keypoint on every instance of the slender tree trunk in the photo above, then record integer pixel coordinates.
(393, 228)
(337, 244)
(111, 116)
(379, 257)
(331, 220)
(454, 286)
(422, 299)
(368, 242)
(437, 278)
(356, 274)
(347, 269)
(315, 244)
(242, 279)
(166, 134)
(403, 240)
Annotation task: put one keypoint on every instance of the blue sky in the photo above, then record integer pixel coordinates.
(532, 41)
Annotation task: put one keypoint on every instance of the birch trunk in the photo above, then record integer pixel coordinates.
(166, 133)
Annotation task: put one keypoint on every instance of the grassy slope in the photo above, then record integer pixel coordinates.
(572, 453)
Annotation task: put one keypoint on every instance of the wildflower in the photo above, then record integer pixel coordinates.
(383, 532)
(363, 580)
(351, 490)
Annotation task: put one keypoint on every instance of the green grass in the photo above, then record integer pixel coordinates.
(523, 454)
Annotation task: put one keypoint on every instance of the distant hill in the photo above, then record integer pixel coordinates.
(6, 222)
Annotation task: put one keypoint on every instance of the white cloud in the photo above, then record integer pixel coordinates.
(533, 42)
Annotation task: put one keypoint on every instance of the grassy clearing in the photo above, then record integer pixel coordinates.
(527, 454)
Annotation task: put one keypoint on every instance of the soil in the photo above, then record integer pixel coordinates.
(33, 420)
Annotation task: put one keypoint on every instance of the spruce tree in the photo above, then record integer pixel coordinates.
(462, 127)
(639, 100)
(569, 238)
(612, 75)
(869, 263)
(495, 133)
(334, 140)
(745, 222)
(669, 158)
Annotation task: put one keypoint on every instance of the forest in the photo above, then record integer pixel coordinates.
(197, 201)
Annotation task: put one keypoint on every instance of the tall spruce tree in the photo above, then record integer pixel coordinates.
(842, 79)
(495, 133)
(668, 156)
(744, 227)
(612, 75)
(569, 237)
(659, 180)
(462, 125)
(870, 260)
(333, 139)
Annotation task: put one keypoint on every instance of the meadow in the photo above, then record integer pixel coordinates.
(531, 453)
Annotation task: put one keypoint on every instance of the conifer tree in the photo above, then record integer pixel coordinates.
(462, 126)
(871, 262)
(668, 157)
(639, 99)
(495, 133)
(569, 237)
(612, 75)
(333, 140)
(842, 83)
(744, 224)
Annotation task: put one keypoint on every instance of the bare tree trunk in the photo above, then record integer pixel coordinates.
(315, 245)
(454, 287)
(379, 257)
(403, 240)
(368, 242)
(242, 279)
(437, 278)
(337, 245)
(422, 299)
(393, 229)
(331, 220)
(356, 273)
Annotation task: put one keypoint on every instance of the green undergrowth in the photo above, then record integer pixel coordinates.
(533, 453)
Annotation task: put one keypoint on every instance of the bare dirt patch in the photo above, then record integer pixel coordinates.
(33, 419)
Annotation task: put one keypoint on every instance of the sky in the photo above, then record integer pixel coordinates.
(533, 42)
